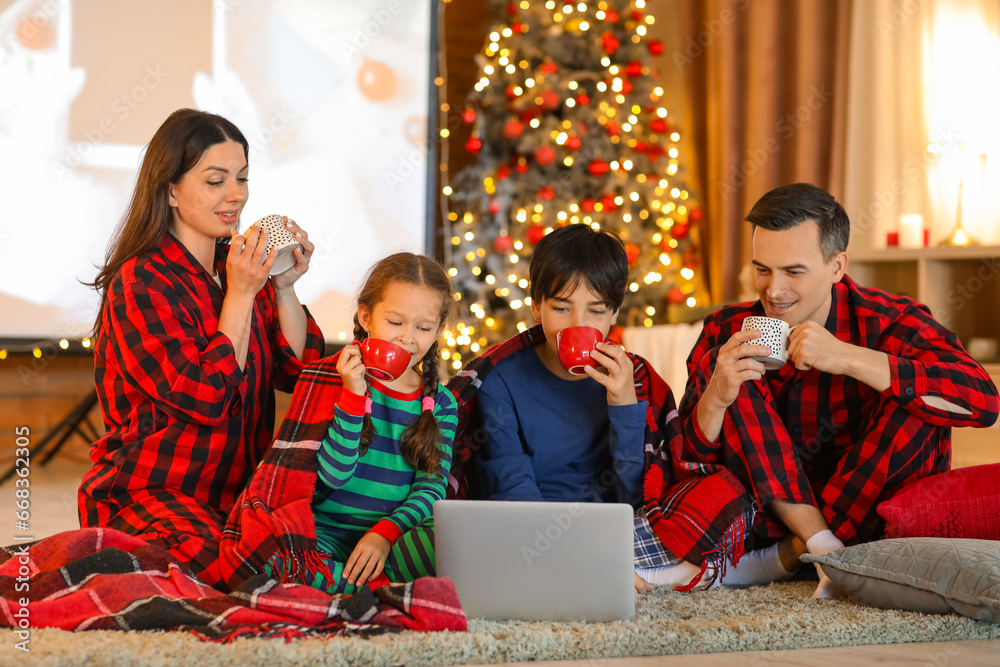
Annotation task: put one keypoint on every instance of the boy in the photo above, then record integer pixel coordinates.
(548, 435)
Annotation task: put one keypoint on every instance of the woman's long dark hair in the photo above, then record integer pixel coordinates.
(174, 150)
(419, 442)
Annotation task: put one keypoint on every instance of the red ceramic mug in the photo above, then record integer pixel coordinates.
(574, 345)
(383, 359)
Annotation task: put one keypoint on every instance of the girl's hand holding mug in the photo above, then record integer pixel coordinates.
(352, 370)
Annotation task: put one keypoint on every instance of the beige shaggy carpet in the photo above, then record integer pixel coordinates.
(781, 616)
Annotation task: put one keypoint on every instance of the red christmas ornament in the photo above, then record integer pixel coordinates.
(695, 216)
(545, 155)
(611, 16)
(654, 152)
(612, 128)
(512, 128)
(473, 144)
(548, 67)
(511, 92)
(675, 295)
(528, 114)
(679, 231)
(494, 206)
(469, 116)
(550, 99)
(582, 99)
(518, 27)
(547, 193)
(632, 252)
(655, 47)
(609, 42)
(637, 15)
(534, 233)
(503, 173)
(658, 125)
(598, 167)
(573, 143)
(608, 204)
(626, 86)
(588, 204)
(511, 8)
(503, 243)
(634, 68)
(640, 147)
(521, 166)
(665, 245)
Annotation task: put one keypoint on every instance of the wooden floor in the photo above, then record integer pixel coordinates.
(935, 654)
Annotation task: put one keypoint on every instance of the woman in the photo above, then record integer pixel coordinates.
(192, 338)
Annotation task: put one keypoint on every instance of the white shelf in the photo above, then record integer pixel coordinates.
(916, 254)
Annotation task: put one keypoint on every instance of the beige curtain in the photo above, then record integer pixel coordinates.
(921, 74)
(767, 86)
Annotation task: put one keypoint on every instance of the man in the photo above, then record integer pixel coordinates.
(864, 405)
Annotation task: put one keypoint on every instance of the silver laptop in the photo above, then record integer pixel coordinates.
(535, 561)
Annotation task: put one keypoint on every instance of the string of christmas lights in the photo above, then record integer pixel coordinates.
(569, 126)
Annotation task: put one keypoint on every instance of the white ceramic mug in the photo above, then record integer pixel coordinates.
(282, 238)
(773, 334)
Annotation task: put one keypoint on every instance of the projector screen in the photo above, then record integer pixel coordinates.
(333, 96)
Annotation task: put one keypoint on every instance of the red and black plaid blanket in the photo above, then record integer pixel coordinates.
(698, 511)
(273, 518)
(103, 579)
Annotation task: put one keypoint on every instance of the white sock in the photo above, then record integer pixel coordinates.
(819, 544)
(755, 567)
(823, 542)
(670, 575)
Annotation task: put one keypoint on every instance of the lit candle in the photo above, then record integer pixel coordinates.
(911, 230)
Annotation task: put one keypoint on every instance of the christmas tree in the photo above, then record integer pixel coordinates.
(569, 127)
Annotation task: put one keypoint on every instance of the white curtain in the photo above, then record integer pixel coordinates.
(922, 73)
(666, 348)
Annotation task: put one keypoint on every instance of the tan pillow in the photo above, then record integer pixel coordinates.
(933, 575)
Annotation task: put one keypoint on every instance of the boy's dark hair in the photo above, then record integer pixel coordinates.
(785, 207)
(574, 252)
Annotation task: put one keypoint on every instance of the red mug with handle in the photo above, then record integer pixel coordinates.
(574, 345)
(383, 359)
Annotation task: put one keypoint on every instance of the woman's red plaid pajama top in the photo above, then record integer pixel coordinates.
(185, 425)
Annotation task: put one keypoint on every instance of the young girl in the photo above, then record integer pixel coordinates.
(369, 456)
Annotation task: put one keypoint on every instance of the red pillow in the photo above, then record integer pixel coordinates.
(962, 503)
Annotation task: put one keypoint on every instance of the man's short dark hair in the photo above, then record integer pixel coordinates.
(575, 252)
(790, 205)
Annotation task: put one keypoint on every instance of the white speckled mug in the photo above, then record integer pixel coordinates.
(282, 238)
(773, 334)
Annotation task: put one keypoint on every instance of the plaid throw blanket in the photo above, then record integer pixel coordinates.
(103, 579)
(698, 511)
